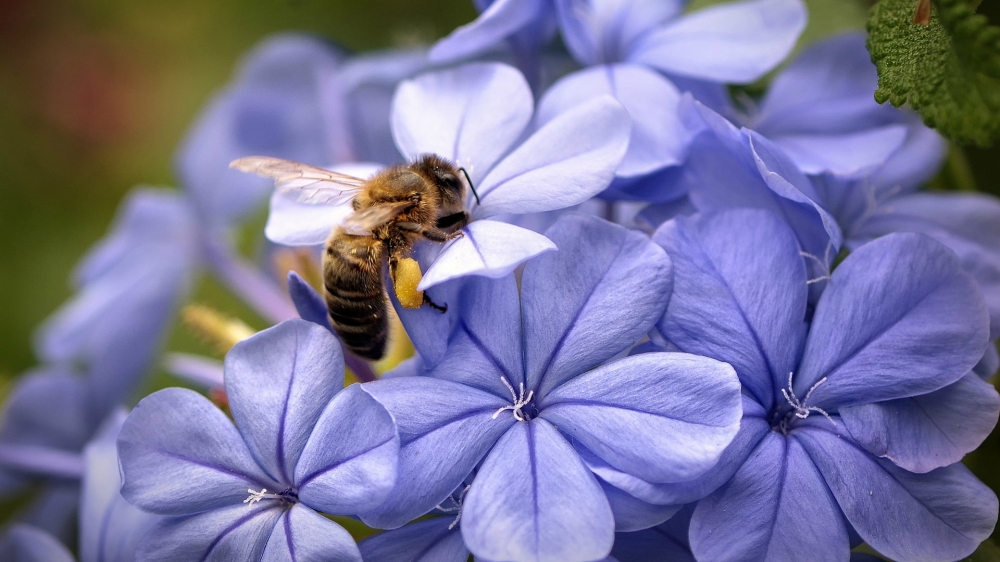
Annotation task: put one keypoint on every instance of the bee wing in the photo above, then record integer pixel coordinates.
(307, 184)
(364, 221)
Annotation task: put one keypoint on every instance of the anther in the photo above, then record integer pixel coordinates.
(520, 401)
(799, 407)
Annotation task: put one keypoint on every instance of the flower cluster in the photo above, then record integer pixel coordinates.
(674, 322)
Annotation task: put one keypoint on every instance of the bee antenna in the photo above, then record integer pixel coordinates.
(472, 187)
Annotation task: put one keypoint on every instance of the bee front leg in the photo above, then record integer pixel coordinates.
(429, 232)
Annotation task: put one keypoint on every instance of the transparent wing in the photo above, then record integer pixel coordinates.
(364, 221)
(304, 183)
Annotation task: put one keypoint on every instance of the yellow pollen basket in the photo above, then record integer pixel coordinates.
(408, 276)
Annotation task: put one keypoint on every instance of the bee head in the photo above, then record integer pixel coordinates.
(445, 176)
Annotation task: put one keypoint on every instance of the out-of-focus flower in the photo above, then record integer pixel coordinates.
(522, 383)
(110, 527)
(298, 438)
(47, 421)
(24, 543)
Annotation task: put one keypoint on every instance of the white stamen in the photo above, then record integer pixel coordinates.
(822, 263)
(520, 400)
(457, 507)
(801, 410)
(255, 496)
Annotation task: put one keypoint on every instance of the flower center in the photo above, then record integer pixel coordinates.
(520, 401)
(289, 495)
(800, 410)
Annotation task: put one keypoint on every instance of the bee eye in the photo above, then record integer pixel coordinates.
(448, 179)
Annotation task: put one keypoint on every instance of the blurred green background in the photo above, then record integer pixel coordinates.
(96, 95)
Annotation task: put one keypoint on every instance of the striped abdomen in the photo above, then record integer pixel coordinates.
(352, 275)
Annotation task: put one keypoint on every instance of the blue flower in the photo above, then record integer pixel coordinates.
(518, 385)
(735, 42)
(477, 116)
(51, 432)
(274, 107)
(24, 543)
(129, 286)
(820, 111)
(853, 422)
(248, 492)
(968, 223)
(110, 527)
(48, 419)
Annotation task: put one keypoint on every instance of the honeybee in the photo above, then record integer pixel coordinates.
(392, 211)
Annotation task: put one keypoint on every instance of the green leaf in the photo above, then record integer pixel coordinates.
(948, 70)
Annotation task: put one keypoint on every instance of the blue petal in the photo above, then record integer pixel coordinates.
(658, 137)
(23, 543)
(131, 285)
(433, 540)
(468, 300)
(752, 429)
(302, 535)
(487, 248)
(445, 428)
(564, 163)
(237, 532)
(734, 42)
(247, 281)
(602, 31)
(917, 161)
(470, 115)
(827, 89)
(485, 345)
(368, 81)
(925, 432)
(110, 527)
(941, 515)
(307, 301)
(571, 297)
(845, 154)
(39, 460)
(499, 21)
(294, 223)
(898, 318)
(728, 168)
(49, 408)
(776, 507)
(968, 223)
(533, 499)
(633, 514)
(200, 371)
(276, 107)
(278, 383)
(349, 463)
(180, 454)
(623, 413)
(739, 295)
(54, 509)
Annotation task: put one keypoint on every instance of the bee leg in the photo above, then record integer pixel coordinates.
(428, 232)
(454, 220)
(440, 308)
(438, 235)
